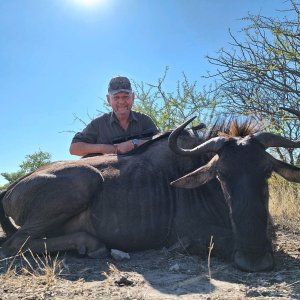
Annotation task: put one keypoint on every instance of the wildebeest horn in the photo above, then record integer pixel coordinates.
(272, 140)
(291, 110)
(212, 145)
(287, 171)
(199, 126)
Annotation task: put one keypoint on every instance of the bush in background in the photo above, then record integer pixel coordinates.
(284, 202)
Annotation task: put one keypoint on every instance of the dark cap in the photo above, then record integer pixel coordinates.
(119, 84)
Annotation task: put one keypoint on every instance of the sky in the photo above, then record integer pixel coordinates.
(57, 57)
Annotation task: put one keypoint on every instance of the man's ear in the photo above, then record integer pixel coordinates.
(108, 99)
(132, 97)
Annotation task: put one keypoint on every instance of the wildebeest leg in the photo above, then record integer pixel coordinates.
(25, 238)
(220, 240)
(45, 203)
(84, 243)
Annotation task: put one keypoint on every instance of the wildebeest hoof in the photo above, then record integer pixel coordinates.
(99, 253)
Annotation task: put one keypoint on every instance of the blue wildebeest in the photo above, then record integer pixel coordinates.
(126, 201)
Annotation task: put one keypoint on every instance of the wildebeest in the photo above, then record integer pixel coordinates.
(126, 201)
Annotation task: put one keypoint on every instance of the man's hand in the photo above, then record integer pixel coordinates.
(125, 147)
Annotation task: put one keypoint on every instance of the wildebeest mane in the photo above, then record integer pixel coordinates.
(233, 127)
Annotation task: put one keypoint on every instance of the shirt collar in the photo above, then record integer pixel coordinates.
(132, 117)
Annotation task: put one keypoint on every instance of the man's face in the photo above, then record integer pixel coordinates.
(121, 103)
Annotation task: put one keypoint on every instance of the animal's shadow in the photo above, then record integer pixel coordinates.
(178, 274)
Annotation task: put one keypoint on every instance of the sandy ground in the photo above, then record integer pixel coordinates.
(153, 274)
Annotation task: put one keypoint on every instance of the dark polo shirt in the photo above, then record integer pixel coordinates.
(106, 129)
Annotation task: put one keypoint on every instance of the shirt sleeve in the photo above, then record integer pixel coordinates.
(88, 135)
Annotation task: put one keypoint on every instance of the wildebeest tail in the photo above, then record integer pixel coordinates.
(5, 222)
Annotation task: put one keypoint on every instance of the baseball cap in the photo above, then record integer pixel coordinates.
(119, 84)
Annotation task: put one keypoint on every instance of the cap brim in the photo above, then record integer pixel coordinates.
(120, 91)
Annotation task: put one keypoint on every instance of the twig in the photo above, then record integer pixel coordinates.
(210, 248)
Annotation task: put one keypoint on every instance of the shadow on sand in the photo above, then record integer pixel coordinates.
(179, 274)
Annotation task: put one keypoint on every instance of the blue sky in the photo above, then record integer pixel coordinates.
(57, 56)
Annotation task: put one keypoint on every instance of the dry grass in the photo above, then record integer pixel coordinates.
(42, 267)
(210, 248)
(284, 202)
(30, 275)
(111, 273)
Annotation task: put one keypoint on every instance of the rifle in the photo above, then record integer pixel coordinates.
(145, 134)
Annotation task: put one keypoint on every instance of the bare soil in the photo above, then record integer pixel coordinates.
(153, 274)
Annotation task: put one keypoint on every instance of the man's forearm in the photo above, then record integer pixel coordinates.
(82, 148)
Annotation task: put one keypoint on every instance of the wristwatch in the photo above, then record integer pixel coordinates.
(135, 143)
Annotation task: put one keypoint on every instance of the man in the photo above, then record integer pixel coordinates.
(103, 133)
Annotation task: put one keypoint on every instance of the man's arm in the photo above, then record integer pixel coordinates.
(84, 142)
(81, 148)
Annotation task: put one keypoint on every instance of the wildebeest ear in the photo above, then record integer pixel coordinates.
(287, 171)
(199, 176)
